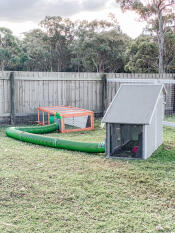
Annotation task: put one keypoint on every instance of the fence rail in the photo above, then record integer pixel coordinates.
(21, 95)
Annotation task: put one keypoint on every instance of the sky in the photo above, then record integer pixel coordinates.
(24, 15)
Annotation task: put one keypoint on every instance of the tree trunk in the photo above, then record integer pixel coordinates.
(161, 43)
(101, 66)
(59, 66)
(2, 66)
(96, 65)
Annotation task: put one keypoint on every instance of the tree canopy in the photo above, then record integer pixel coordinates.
(153, 11)
(97, 46)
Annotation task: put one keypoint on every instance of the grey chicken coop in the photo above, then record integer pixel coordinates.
(134, 121)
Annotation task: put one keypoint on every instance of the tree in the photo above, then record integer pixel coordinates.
(36, 52)
(9, 50)
(82, 47)
(153, 10)
(59, 36)
(98, 46)
(105, 52)
(142, 55)
(169, 51)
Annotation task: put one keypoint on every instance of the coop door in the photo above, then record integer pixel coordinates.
(126, 140)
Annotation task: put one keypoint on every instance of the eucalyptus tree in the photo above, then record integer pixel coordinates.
(10, 50)
(104, 52)
(153, 10)
(169, 51)
(142, 55)
(59, 36)
(36, 54)
(84, 34)
(98, 46)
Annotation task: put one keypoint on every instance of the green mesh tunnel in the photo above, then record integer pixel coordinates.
(29, 134)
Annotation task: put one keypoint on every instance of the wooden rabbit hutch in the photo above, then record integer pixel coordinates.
(71, 118)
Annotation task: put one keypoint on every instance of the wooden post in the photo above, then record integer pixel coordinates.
(43, 118)
(48, 119)
(12, 98)
(62, 130)
(104, 93)
(92, 121)
(38, 118)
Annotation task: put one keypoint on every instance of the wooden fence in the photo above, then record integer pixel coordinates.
(22, 92)
(5, 103)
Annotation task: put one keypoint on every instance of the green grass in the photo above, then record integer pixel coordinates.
(47, 190)
(170, 118)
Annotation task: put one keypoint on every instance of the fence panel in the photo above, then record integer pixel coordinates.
(85, 90)
(33, 90)
(4, 94)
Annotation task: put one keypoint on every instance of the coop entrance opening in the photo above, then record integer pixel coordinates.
(126, 140)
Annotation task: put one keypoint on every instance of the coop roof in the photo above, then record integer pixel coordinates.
(134, 104)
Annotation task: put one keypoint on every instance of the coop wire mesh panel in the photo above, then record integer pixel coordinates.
(126, 140)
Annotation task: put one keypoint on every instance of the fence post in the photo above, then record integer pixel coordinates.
(104, 92)
(12, 98)
(173, 99)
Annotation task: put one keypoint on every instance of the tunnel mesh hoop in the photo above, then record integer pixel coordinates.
(126, 140)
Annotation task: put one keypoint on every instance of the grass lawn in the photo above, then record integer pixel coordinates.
(170, 118)
(48, 190)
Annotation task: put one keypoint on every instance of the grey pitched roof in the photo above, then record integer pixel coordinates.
(133, 104)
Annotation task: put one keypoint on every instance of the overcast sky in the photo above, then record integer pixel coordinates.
(24, 15)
